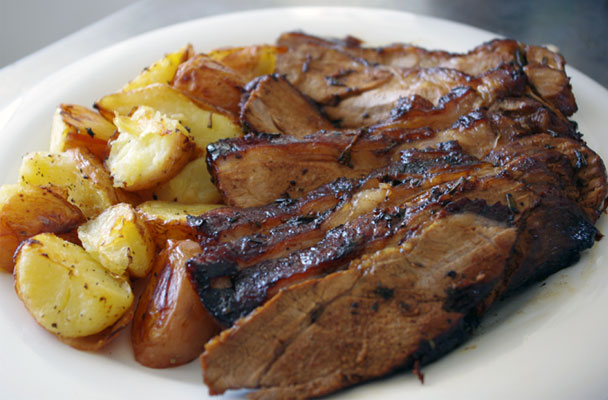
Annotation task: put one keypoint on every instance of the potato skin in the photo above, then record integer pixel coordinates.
(171, 326)
(26, 211)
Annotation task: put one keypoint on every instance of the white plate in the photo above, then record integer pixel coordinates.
(549, 342)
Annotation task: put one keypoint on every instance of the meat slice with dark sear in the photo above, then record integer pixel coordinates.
(272, 105)
(255, 170)
(482, 58)
(436, 85)
(388, 310)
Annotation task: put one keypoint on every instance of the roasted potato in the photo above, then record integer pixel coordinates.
(167, 220)
(119, 240)
(27, 210)
(171, 326)
(191, 186)
(67, 291)
(150, 148)
(78, 127)
(250, 61)
(204, 125)
(77, 171)
(161, 71)
(210, 82)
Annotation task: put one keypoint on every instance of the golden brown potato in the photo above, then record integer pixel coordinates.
(66, 291)
(204, 125)
(119, 240)
(77, 171)
(78, 127)
(26, 211)
(167, 220)
(250, 61)
(171, 326)
(191, 186)
(210, 82)
(149, 149)
(161, 71)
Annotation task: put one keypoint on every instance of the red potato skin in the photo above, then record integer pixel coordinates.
(171, 326)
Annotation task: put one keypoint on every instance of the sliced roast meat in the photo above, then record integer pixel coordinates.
(484, 57)
(389, 309)
(374, 216)
(544, 69)
(436, 85)
(379, 247)
(272, 105)
(255, 170)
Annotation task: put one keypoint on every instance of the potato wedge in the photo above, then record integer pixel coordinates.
(204, 126)
(78, 127)
(161, 71)
(167, 220)
(26, 211)
(250, 61)
(66, 290)
(150, 148)
(171, 326)
(191, 186)
(77, 171)
(119, 240)
(210, 82)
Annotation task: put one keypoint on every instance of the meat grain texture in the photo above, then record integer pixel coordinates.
(416, 189)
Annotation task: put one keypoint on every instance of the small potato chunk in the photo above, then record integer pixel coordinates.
(191, 186)
(78, 127)
(150, 148)
(161, 71)
(26, 211)
(204, 125)
(250, 61)
(171, 326)
(168, 220)
(119, 240)
(66, 290)
(77, 171)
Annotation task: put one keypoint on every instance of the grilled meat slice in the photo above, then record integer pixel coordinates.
(420, 184)
(328, 75)
(255, 170)
(580, 171)
(436, 85)
(545, 70)
(229, 223)
(551, 233)
(515, 117)
(482, 58)
(272, 105)
(399, 305)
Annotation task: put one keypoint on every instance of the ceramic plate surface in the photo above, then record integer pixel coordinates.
(548, 342)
